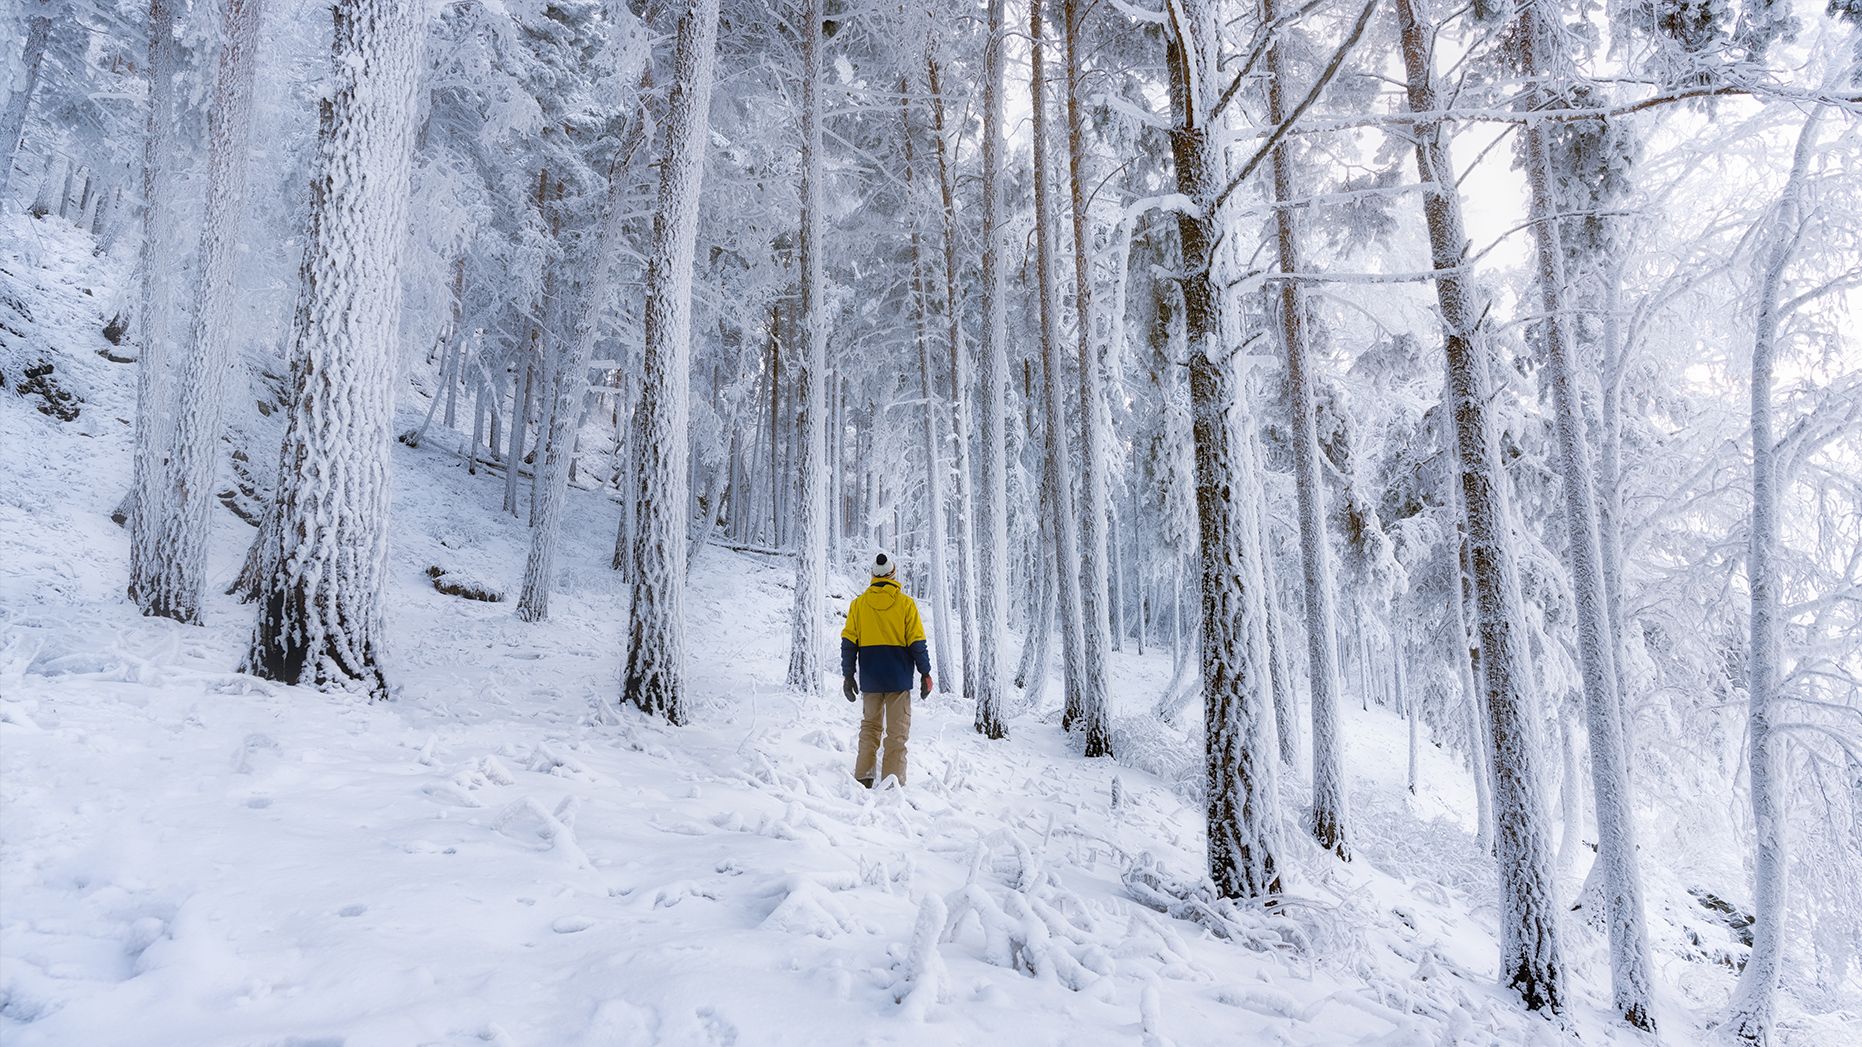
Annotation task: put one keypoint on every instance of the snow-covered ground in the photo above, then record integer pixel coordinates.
(500, 854)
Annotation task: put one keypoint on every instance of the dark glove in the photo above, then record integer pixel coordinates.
(926, 680)
(847, 688)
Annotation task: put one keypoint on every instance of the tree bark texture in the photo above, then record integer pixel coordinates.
(654, 679)
(1241, 805)
(319, 618)
(1531, 952)
(1328, 776)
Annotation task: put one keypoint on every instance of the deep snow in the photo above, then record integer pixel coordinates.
(499, 854)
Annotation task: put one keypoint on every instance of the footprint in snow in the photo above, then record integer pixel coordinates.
(718, 1029)
(353, 909)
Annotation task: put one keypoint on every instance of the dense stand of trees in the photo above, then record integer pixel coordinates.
(1249, 339)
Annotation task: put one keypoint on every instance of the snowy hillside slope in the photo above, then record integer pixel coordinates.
(499, 854)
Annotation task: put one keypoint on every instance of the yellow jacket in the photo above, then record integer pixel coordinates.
(885, 637)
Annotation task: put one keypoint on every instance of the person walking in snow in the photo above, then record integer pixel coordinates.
(886, 639)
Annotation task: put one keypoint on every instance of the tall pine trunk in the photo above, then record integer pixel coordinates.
(1328, 774)
(811, 552)
(1094, 715)
(1531, 954)
(1755, 997)
(959, 389)
(19, 99)
(178, 558)
(992, 509)
(1632, 981)
(319, 618)
(1059, 480)
(154, 407)
(569, 386)
(1241, 806)
(654, 679)
(934, 459)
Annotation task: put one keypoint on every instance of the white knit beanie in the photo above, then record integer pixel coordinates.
(884, 566)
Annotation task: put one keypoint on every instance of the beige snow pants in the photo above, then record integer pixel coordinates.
(892, 711)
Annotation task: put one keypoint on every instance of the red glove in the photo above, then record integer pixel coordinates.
(927, 682)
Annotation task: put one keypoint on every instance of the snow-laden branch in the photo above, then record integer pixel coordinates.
(1139, 14)
(1318, 87)
(1371, 278)
(1847, 102)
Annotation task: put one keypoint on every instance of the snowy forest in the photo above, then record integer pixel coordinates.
(1382, 481)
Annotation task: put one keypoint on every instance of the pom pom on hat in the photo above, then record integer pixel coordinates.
(884, 566)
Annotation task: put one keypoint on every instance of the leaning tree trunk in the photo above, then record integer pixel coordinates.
(1531, 955)
(19, 99)
(1095, 717)
(1755, 997)
(992, 537)
(959, 389)
(1031, 673)
(1632, 982)
(1059, 445)
(319, 603)
(934, 464)
(654, 678)
(1280, 661)
(1328, 775)
(520, 423)
(1241, 806)
(177, 562)
(1463, 652)
(154, 408)
(811, 546)
(570, 384)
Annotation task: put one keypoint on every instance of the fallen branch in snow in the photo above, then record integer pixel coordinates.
(925, 980)
(527, 821)
(453, 583)
(1260, 929)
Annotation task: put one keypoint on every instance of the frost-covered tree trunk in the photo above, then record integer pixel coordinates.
(570, 385)
(1755, 997)
(1531, 954)
(992, 510)
(959, 388)
(654, 678)
(1094, 514)
(37, 17)
(1632, 981)
(319, 617)
(1463, 654)
(154, 409)
(478, 427)
(1031, 674)
(1115, 572)
(520, 423)
(1059, 480)
(1610, 476)
(1280, 663)
(451, 350)
(1571, 804)
(1328, 774)
(1409, 707)
(1241, 805)
(934, 459)
(182, 516)
(811, 553)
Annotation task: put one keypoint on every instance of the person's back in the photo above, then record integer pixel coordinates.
(885, 640)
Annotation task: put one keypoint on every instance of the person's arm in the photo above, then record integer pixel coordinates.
(915, 635)
(850, 641)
